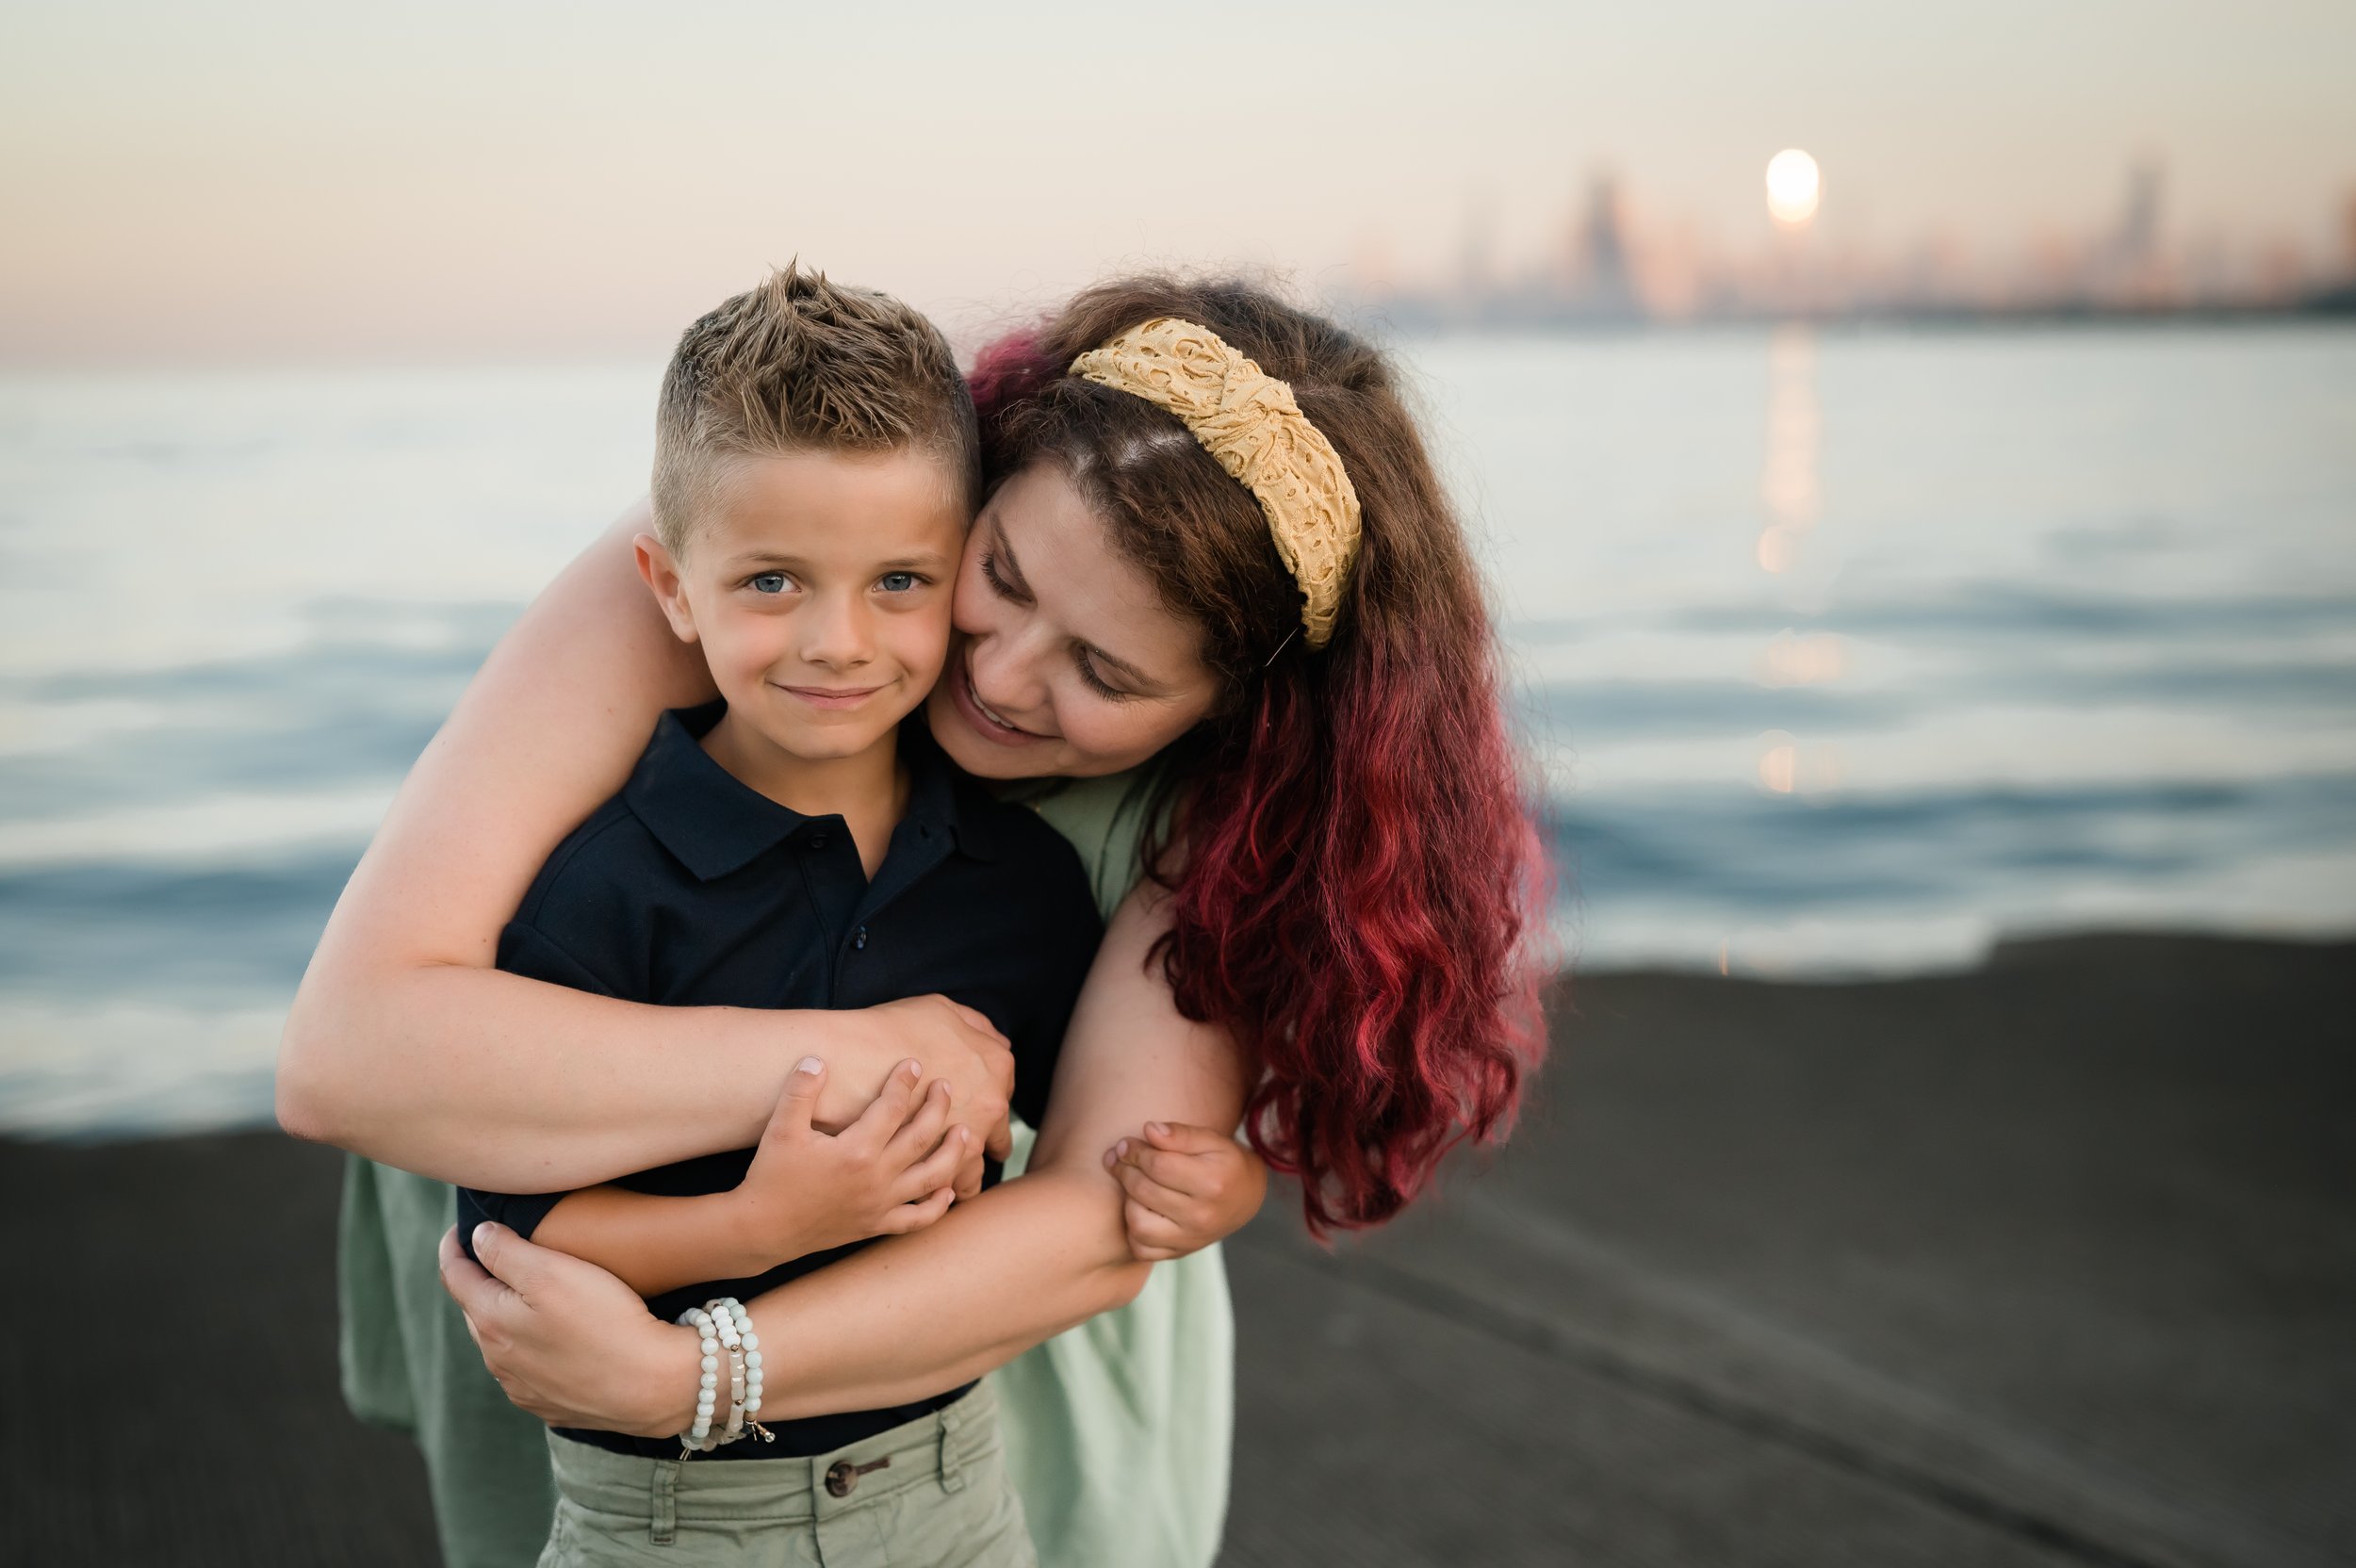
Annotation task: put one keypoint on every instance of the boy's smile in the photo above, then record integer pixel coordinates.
(818, 585)
(819, 696)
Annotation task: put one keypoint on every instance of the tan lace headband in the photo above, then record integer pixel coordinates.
(1248, 421)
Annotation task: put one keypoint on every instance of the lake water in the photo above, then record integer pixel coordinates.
(1836, 653)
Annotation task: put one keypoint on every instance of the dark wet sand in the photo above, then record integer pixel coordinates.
(2052, 1262)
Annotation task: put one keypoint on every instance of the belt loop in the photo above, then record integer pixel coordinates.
(952, 1477)
(663, 1503)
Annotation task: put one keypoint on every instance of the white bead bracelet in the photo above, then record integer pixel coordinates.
(750, 1343)
(724, 1328)
(698, 1438)
(722, 1312)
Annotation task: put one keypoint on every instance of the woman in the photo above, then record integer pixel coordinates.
(1246, 618)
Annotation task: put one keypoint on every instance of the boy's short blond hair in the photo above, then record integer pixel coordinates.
(797, 365)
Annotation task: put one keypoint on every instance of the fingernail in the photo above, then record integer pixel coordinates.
(1108, 1159)
(480, 1232)
(959, 1133)
(1121, 1150)
(810, 1065)
(1159, 1129)
(911, 1069)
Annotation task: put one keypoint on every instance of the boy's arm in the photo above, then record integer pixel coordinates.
(806, 1191)
(651, 1243)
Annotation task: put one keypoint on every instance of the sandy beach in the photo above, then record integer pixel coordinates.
(2048, 1263)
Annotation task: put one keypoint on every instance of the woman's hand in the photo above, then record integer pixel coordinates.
(1188, 1186)
(885, 1174)
(954, 1043)
(568, 1342)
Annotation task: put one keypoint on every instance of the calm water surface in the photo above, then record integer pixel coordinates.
(1836, 653)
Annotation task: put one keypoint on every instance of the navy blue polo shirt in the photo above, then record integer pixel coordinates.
(690, 888)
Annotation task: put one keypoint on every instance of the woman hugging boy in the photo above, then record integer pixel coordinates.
(1217, 627)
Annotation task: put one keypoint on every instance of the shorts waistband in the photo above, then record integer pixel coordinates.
(931, 1450)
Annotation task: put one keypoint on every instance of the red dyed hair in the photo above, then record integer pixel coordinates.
(1355, 881)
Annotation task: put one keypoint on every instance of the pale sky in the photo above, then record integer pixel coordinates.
(272, 181)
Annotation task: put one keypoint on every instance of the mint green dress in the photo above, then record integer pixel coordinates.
(1118, 1433)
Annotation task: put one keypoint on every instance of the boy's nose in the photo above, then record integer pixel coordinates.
(835, 634)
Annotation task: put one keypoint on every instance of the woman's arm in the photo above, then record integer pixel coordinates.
(405, 1045)
(911, 1315)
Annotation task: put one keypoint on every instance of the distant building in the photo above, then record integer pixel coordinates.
(1601, 271)
(2128, 266)
(1600, 284)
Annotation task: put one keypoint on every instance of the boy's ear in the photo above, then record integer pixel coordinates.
(662, 575)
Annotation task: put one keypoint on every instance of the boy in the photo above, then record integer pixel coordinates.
(791, 846)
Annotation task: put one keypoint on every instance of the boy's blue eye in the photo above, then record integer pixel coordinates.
(767, 583)
(896, 582)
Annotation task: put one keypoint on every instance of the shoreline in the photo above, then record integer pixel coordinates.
(161, 1110)
(2049, 1262)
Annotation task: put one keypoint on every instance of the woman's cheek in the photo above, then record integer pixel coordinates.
(1116, 737)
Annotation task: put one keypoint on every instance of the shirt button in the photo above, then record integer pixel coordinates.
(859, 942)
(817, 840)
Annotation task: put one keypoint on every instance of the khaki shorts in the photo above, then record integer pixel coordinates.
(931, 1494)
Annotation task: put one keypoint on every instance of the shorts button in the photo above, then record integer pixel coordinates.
(842, 1477)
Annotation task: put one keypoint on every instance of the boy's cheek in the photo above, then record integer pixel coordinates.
(748, 645)
(924, 653)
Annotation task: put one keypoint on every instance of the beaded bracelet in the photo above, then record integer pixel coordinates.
(724, 1313)
(750, 1342)
(745, 1349)
(697, 1438)
(723, 1324)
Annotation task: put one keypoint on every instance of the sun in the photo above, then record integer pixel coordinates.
(1793, 187)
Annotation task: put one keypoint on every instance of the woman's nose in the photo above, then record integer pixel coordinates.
(1009, 673)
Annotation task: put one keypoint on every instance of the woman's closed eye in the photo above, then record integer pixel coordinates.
(1094, 681)
(997, 579)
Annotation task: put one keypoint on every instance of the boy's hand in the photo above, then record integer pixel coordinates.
(1188, 1186)
(887, 1172)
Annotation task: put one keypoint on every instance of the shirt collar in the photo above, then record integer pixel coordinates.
(715, 823)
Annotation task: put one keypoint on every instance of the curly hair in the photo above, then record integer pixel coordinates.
(1356, 885)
